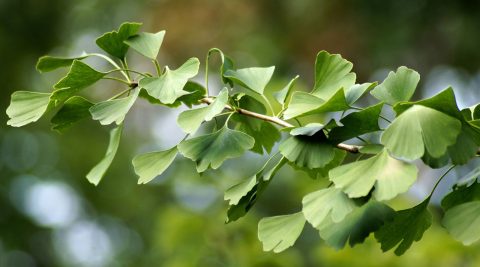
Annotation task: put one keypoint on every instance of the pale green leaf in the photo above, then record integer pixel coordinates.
(26, 107)
(308, 130)
(97, 172)
(302, 104)
(150, 165)
(398, 86)
(254, 79)
(462, 222)
(235, 193)
(356, 226)
(389, 176)
(147, 44)
(280, 232)
(49, 63)
(72, 111)
(326, 203)
(283, 96)
(169, 86)
(213, 149)
(190, 120)
(332, 72)
(406, 227)
(113, 110)
(420, 128)
(353, 93)
(113, 42)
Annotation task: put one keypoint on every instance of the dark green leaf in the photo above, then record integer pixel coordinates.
(406, 227)
(113, 42)
(357, 123)
(49, 63)
(72, 111)
(356, 226)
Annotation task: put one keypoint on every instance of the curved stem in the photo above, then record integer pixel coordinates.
(157, 67)
(268, 103)
(109, 60)
(441, 178)
(127, 70)
(117, 79)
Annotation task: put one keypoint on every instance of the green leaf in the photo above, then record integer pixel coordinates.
(49, 63)
(243, 196)
(264, 133)
(169, 86)
(72, 111)
(283, 96)
(303, 104)
(235, 193)
(398, 86)
(418, 129)
(332, 72)
(150, 165)
(254, 79)
(317, 173)
(113, 110)
(213, 149)
(371, 149)
(308, 130)
(80, 76)
(329, 203)
(113, 42)
(406, 227)
(190, 120)
(308, 151)
(357, 123)
(196, 93)
(389, 176)
(26, 107)
(356, 226)
(462, 222)
(353, 93)
(97, 172)
(147, 44)
(464, 193)
(280, 232)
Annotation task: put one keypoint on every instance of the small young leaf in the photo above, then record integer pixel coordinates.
(113, 110)
(406, 227)
(227, 64)
(356, 226)
(357, 123)
(150, 165)
(283, 96)
(190, 120)
(302, 104)
(80, 76)
(26, 107)
(389, 176)
(113, 42)
(147, 44)
(326, 203)
(418, 129)
(398, 86)
(49, 63)
(169, 87)
(72, 111)
(353, 93)
(332, 72)
(308, 151)
(213, 149)
(254, 79)
(97, 172)
(280, 232)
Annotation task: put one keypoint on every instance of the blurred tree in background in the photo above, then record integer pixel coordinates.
(51, 216)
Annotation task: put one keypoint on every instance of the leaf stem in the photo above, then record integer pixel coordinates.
(157, 67)
(268, 103)
(109, 60)
(441, 178)
(117, 79)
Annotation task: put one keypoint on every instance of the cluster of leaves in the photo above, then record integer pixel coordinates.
(353, 206)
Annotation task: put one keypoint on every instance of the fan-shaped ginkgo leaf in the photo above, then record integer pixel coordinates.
(280, 232)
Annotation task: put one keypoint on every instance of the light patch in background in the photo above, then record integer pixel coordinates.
(84, 243)
(196, 196)
(19, 150)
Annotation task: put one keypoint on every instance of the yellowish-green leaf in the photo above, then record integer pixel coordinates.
(150, 165)
(280, 232)
(26, 107)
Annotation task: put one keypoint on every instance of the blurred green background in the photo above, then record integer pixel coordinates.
(51, 216)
